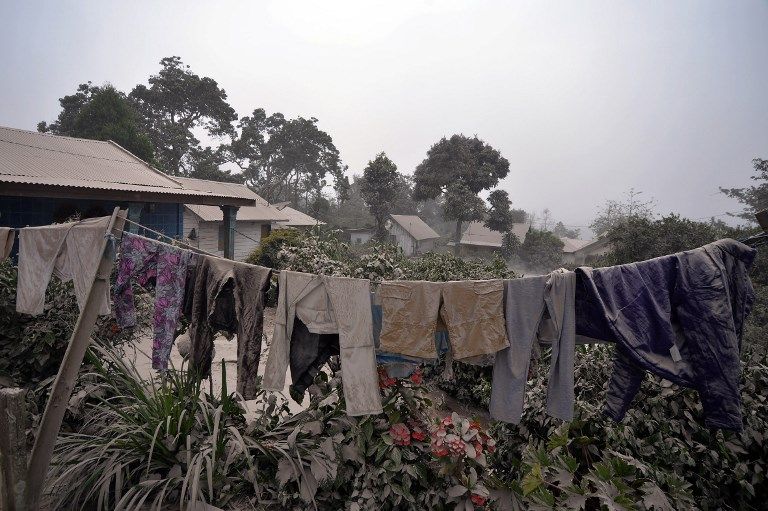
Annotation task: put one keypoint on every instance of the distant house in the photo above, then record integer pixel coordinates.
(411, 234)
(479, 240)
(204, 225)
(583, 252)
(49, 178)
(295, 218)
(361, 235)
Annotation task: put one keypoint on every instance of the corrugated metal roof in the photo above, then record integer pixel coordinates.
(571, 245)
(29, 157)
(480, 235)
(261, 212)
(416, 227)
(298, 219)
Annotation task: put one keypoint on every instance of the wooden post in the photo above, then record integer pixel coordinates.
(65, 380)
(13, 448)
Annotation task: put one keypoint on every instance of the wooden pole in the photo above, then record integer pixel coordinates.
(13, 448)
(65, 380)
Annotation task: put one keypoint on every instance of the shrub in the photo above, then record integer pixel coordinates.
(266, 253)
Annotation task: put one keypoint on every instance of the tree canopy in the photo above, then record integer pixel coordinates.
(176, 102)
(101, 113)
(615, 212)
(379, 188)
(456, 170)
(754, 198)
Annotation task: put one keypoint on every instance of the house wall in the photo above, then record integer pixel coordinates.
(588, 254)
(32, 211)
(424, 246)
(208, 235)
(402, 239)
(478, 251)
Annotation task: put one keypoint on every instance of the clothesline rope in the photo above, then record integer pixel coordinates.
(174, 240)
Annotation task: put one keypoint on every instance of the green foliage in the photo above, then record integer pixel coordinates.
(500, 215)
(560, 230)
(31, 347)
(541, 250)
(754, 198)
(379, 188)
(177, 102)
(457, 170)
(614, 213)
(101, 113)
(266, 254)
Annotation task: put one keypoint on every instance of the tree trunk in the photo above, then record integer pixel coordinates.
(457, 239)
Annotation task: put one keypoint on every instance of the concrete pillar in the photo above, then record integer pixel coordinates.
(230, 222)
(134, 215)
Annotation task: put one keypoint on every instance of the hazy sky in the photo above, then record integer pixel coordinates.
(585, 99)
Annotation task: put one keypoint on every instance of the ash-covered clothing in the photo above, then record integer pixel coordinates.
(7, 237)
(680, 317)
(309, 353)
(229, 296)
(538, 309)
(471, 310)
(71, 251)
(145, 260)
(328, 305)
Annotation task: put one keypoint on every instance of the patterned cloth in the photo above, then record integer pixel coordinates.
(145, 260)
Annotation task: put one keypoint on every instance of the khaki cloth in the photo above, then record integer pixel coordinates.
(472, 311)
(328, 305)
(71, 251)
(7, 237)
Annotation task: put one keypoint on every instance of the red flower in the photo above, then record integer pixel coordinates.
(418, 435)
(400, 434)
(114, 328)
(417, 378)
(477, 500)
(384, 380)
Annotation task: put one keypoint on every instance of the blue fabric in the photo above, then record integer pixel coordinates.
(694, 302)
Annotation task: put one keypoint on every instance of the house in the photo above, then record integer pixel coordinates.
(581, 252)
(411, 234)
(204, 225)
(295, 218)
(479, 240)
(361, 235)
(49, 178)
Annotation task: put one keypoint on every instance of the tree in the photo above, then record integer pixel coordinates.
(541, 250)
(614, 212)
(287, 159)
(755, 198)
(379, 188)
(206, 164)
(561, 231)
(546, 219)
(456, 170)
(500, 216)
(101, 113)
(352, 212)
(176, 103)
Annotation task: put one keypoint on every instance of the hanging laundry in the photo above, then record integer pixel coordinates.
(7, 237)
(145, 260)
(309, 353)
(472, 311)
(680, 317)
(538, 309)
(71, 251)
(229, 296)
(328, 305)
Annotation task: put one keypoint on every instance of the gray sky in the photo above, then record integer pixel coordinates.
(585, 99)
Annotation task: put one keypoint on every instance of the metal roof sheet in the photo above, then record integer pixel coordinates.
(416, 227)
(571, 245)
(28, 157)
(298, 219)
(261, 212)
(480, 235)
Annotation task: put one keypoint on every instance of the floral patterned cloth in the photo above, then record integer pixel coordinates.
(145, 259)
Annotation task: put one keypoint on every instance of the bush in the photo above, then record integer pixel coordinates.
(266, 253)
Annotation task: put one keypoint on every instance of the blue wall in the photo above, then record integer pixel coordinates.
(33, 211)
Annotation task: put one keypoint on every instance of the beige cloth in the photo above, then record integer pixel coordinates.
(472, 311)
(71, 251)
(7, 237)
(328, 305)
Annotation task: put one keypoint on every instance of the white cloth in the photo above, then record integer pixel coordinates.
(71, 251)
(7, 236)
(328, 305)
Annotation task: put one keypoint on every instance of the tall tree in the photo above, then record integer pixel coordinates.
(542, 250)
(379, 188)
(176, 103)
(287, 159)
(754, 198)
(456, 170)
(561, 230)
(500, 214)
(101, 113)
(615, 212)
